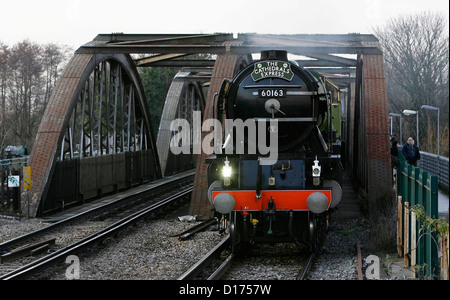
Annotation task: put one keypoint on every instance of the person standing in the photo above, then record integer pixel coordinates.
(411, 152)
(394, 144)
(394, 152)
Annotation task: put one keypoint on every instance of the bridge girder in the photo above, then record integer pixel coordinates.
(98, 107)
(355, 61)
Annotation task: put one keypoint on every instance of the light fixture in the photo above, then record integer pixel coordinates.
(408, 112)
(400, 116)
(316, 172)
(226, 171)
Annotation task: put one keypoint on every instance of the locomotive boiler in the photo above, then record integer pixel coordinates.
(286, 193)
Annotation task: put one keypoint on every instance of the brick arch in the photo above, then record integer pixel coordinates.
(226, 66)
(55, 121)
(183, 98)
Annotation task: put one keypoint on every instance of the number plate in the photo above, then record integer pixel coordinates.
(272, 93)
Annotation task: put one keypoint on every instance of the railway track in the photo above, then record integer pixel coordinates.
(220, 263)
(106, 220)
(306, 267)
(194, 271)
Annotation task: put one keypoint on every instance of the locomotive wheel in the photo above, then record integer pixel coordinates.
(234, 234)
(312, 234)
(321, 230)
(317, 232)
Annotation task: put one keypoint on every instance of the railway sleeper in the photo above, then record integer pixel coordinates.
(26, 250)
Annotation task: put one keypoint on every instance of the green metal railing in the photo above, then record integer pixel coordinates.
(419, 244)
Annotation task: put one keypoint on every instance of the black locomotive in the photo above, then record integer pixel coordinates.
(283, 194)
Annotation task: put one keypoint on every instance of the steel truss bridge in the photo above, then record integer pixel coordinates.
(96, 136)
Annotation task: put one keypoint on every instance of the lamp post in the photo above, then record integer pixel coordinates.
(408, 112)
(390, 119)
(397, 115)
(436, 109)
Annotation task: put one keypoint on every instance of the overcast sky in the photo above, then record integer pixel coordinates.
(75, 22)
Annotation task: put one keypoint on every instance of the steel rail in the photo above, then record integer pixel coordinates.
(193, 271)
(197, 228)
(141, 191)
(223, 268)
(113, 229)
(306, 268)
(359, 258)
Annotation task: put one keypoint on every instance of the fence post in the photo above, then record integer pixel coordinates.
(415, 229)
(408, 196)
(406, 235)
(402, 185)
(413, 259)
(400, 226)
(423, 178)
(444, 258)
(400, 175)
(431, 246)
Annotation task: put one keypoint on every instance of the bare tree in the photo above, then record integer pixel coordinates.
(53, 57)
(28, 74)
(24, 89)
(4, 70)
(417, 68)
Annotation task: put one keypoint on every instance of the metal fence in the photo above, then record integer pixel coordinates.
(77, 180)
(436, 165)
(419, 245)
(10, 196)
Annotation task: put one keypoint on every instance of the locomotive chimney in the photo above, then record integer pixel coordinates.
(274, 55)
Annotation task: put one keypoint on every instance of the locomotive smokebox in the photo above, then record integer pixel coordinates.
(274, 55)
(274, 88)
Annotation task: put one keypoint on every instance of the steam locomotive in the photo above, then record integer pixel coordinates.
(284, 194)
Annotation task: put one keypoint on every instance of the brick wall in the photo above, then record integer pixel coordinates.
(225, 67)
(376, 132)
(51, 127)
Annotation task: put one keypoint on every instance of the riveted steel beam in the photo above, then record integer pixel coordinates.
(178, 63)
(217, 49)
(157, 58)
(333, 70)
(350, 39)
(161, 39)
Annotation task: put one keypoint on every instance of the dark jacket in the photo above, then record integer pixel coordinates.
(411, 153)
(394, 149)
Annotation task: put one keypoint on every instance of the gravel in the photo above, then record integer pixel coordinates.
(149, 251)
(146, 251)
(11, 228)
(337, 259)
(279, 261)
